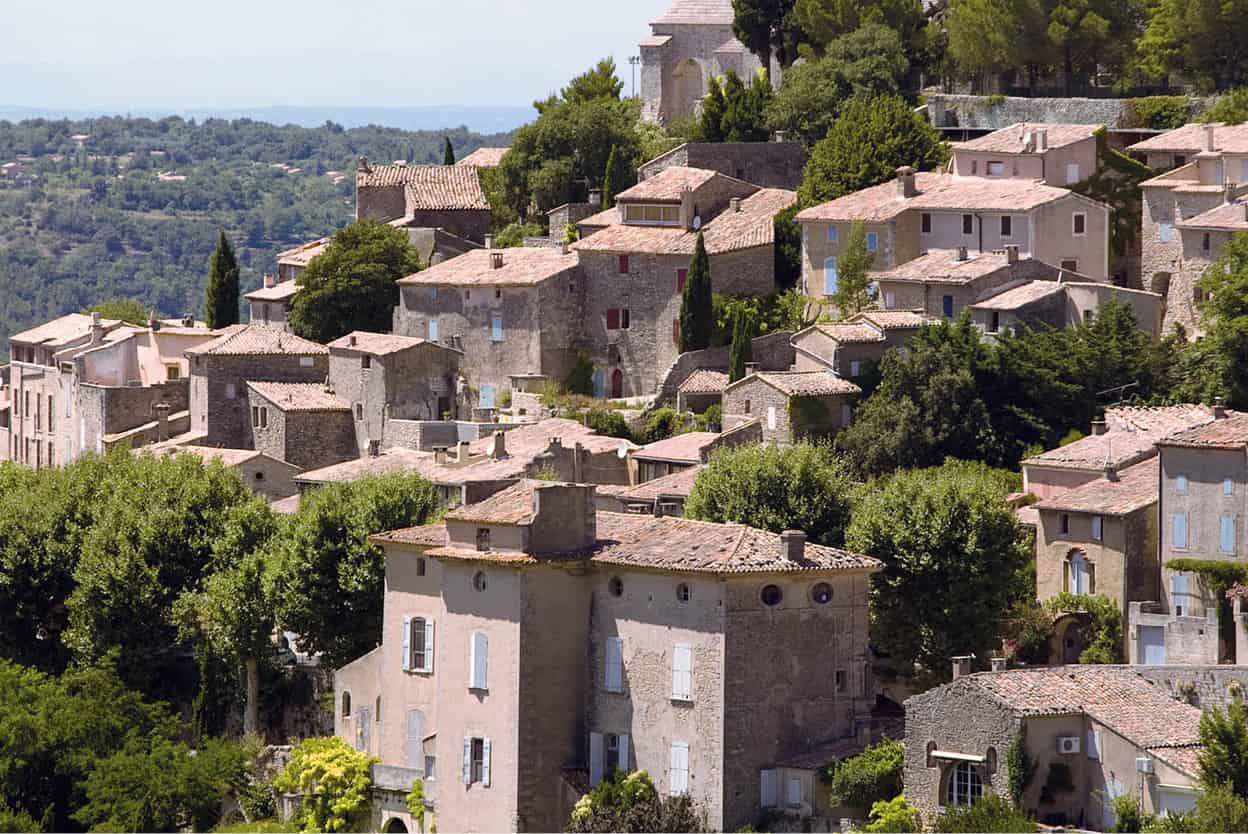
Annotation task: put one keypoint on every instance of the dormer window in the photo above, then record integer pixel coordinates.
(658, 215)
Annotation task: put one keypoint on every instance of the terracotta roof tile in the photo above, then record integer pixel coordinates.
(805, 383)
(1010, 139)
(299, 396)
(936, 192)
(430, 187)
(1020, 296)
(1230, 432)
(1190, 138)
(253, 340)
(667, 185)
(302, 255)
(676, 485)
(1230, 217)
(896, 319)
(941, 266)
(850, 333)
(1134, 489)
(379, 344)
(61, 331)
(513, 505)
(484, 157)
(683, 448)
(522, 266)
(704, 382)
(1133, 434)
(278, 292)
(707, 12)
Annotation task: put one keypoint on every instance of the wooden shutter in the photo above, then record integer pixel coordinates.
(428, 646)
(682, 672)
(407, 644)
(595, 758)
(480, 660)
(613, 319)
(467, 760)
(485, 762)
(615, 665)
(679, 775)
(767, 788)
(624, 762)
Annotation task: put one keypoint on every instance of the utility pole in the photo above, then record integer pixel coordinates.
(634, 60)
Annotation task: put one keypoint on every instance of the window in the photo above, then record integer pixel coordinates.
(890, 300)
(1179, 535)
(1094, 745)
(968, 224)
(995, 169)
(476, 761)
(1228, 486)
(486, 399)
(946, 306)
(1007, 226)
(829, 276)
(821, 593)
(616, 757)
(483, 538)
(346, 704)
(873, 241)
(231, 392)
(974, 166)
(377, 709)
(841, 680)
(793, 792)
(745, 408)
(855, 368)
(682, 672)
(1179, 601)
(1080, 224)
(771, 417)
(359, 411)
(994, 322)
(306, 362)
(479, 661)
(613, 319)
(678, 775)
(832, 234)
(771, 595)
(1065, 524)
(623, 265)
(417, 644)
(433, 293)
(767, 788)
(366, 362)
(496, 328)
(1080, 574)
(925, 223)
(1072, 173)
(433, 330)
(965, 786)
(683, 593)
(173, 372)
(615, 586)
(1166, 232)
(479, 581)
(420, 566)
(498, 294)
(1180, 484)
(682, 275)
(613, 677)
(1204, 242)
(1098, 528)
(1226, 539)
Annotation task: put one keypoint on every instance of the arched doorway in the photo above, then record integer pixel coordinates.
(617, 384)
(395, 826)
(1069, 638)
(688, 88)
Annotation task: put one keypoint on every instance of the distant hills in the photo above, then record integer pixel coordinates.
(484, 120)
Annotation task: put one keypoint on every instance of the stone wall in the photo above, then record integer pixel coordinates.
(380, 203)
(765, 164)
(714, 359)
(470, 225)
(219, 402)
(976, 112)
(774, 351)
(1200, 686)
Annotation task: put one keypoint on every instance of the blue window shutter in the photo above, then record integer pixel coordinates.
(624, 762)
(829, 276)
(595, 758)
(467, 760)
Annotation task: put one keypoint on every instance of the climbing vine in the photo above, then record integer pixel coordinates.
(416, 802)
(1021, 767)
(1105, 645)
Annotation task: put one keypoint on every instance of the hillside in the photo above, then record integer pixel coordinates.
(132, 209)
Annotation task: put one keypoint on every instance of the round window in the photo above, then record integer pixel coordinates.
(615, 586)
(772, 595)
(821, 594)
(478, 580)
(683, 594)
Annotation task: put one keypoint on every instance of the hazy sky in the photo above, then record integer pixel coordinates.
(145, 54)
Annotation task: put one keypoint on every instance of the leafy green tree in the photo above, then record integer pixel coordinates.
(894, 816)
(663, 423)
(513, 235)
(823, 21)
(740, 353)
(352, 284)
(802, 487)
(714, 107)
(628, 802)
(744, 108)
(873, 776)
(600, 82)
(870, 139)
(327, 577)
(1105, 638)
(1219, 808)
(129, 310)
(696, 305)
(853, 279)
(1223, 758)
(1080, 30)
(1231, 108)
(611, 180)
(448, 153)
(990, 814)
(222, 297)
(767, 29)
(983, 35)
(17, 822)
(580, 380)
(952, 549)
(334, 780)
(1204, 39)
(788, 249)
(1225, 316)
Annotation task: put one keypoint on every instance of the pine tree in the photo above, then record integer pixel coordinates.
(448, 155)
(611, 180)
(695, 304)
(221, 299)
(741, 352)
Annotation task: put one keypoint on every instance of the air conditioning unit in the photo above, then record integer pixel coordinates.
(1144, 765)
(1067, 745)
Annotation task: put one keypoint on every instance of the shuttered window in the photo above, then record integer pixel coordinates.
(678, 775)
(614, 675)
(479, 652)
(417, 644)
(1098, 528)
(767, 785)
(1226, 541)
(1180, 531)
(682, 672)
(496, 328)
(613, 319)
(476, 761)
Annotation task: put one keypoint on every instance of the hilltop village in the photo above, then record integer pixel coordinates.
(729, 486)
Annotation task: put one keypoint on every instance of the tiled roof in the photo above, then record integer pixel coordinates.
(1133, 433)
(1014, 298)
(1165, 419)
(61, 330)
(1010, 139)
(378, 344)
(430, 187)
(1134, 489)
(655, 40)
(683, 448)
(1230, 432)
(484, 157)
(850, 333)
(941, 266)
(299, 396)
(729, 231)
(1191, 138)
(708, 12)
(667, 185)
(303, 254)
(389, 461)
(704, 382)
(677, 485)
(805, 383)
(253, 340)
(896, 319)
(513, 505)
(522, 266)
(937, 192)
(278, 292)
(1114, 696)
(1230, 217)
(208, 454)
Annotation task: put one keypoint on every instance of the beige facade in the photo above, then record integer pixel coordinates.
(566, 638)
(1055, 154)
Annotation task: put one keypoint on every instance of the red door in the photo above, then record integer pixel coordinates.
(617, 384)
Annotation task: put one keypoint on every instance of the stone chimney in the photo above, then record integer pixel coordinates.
(188, 321)
(162, 421)
(905, 182)
(793, 545)
(351, 340)
(962, 665)
(489, 241)
(751, 368)
(1011, 253)
(439, 454)
(97, 329)
(1210, 141)
(595, 197)
(998, 664)
(1228, 193)
(1110, 473)
(963, 255)
(1219, 408)
(578, 463)
(1099, 427)
(1042, 139)
(734, 205)
(153, 324)
(500, 445)
(461, 451)
(496, 260)
(782, 136)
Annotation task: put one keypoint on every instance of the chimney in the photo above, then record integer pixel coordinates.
(1228, 193)
(153, 324)
(269, 280)
(751, 368)
(734, 205)
(998, 664)
(962, 665)
(162, 421)
(439, 454)
(188, 321)
(578, 463)
(1099, 427)
(489, 241)
(782, 136)
(500, 445)
(595, 197)
(364, 166)
(1029, 141)
(1042, 139)
(793, 544)
(962, 254)
(1219, 408)
(1011, 253)
(461, 451)
(1110, 473)
(1210, 142)
(905, 182)
(496, 260)
(97, 329)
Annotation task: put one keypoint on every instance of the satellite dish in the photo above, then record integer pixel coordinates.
(697, 222)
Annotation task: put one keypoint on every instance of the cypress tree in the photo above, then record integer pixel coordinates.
(713, 108)
(448, 153)
(695, 304)
(741, 352)
(221, 298)
(611, 180)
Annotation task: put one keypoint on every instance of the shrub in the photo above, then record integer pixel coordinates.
(1231, 108)
(416, 802)
(712, 419)
(663, 423)
(513, 235)
(895, 816)
(334, 779)
(1159, 112)
(1127, 814)
(871, 777)
(991, 814)
(504, 399)
(1106, 645)
(606, 422)
(628, 802)
(580, 379)
(1021, 767)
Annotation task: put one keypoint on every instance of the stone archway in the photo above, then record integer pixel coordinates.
(1069, 639)
(688, 88)
(394, 825)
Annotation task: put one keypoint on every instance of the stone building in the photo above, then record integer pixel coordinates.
(301, 423)
(523, 657)
(920, 212)
(662, 496)
(701, 390)
(852, 347)
(270, 305)
(1056, 154)
(294, 261)
(484, 158)
(1094, 733)
(791, 406)
(220, 370)
(510, 311)
(675, 454)
(446, 197)
(776, 164)
(266, 476)
(691, 42)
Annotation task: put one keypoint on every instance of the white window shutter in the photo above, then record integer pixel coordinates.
(480, 660)
(771, 417)
(467, 760)
(485, 762)
(679, 775)
(428, 646)
(767, 788)
(614, 681)
(624, 762)
(407, 644)
(682, 672)
(595, 758)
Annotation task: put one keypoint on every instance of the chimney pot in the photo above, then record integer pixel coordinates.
(162, 421)
(439, 454)
(500, 445)
(496, 260)
(793, 543)
(1042, 139)
(1219, 408)
(962, 665)
(1210, 141)
(461, 451)
(1228, 193)
(1111, 474)
(751, 368)
(962, 254)
(1011, 253)
(269, 280)
(735, 205)
(153, 324)
(998, 664)
(905, 182)
(782, 136)
(595, 196)
(489, 241)
(351, 340)
(95, 319)
(189, 321)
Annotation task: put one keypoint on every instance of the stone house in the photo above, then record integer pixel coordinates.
(523, 657)
(919, 212)
(689, 43)
(776, 164)
(220, 370)
(270, 305)
(850, 348)
(701, 390)
(266, 476)
(635, 258)
(1060, 155)
(1059, 304)
(446, 197)
(792, 406)
(674, 454)
(294, 261)
(1093, 733)
(510, 311)
(661, 496)
(301, 423)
